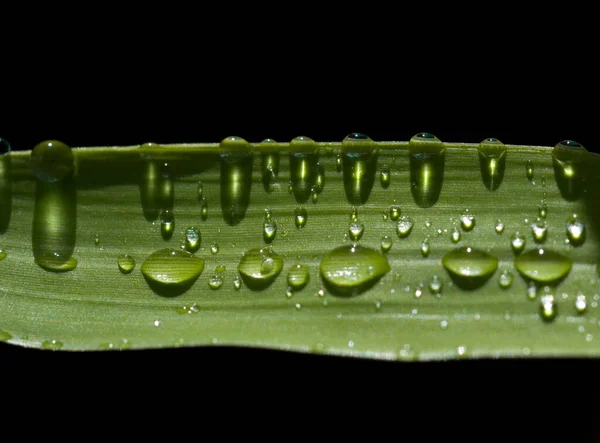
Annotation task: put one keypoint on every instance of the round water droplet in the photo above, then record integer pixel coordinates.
(237, 283)
(517, 242)
(575, 230)
(298, 277)
(234, 146)
(51, 161)
(581, 303)
(356, 230)
(435, 285)
(394, 212)
(499, 228)
(167, 224)
(385, 177)
(455, 235)
(419, 291)
(467, 222)
(425, 248)
(404, 226)
(260, 267)
(351, 269)
(52, 345)
(214, 248)
(543, 265)
(505, 279)
(539, 229)
(269, 231)
(470, 267)
(300, 217)
(386, 243)
(319, 179)
(126, 263)
(3, 254)
(193, 239)
(529, 170)
(548, 307)
(203, 208)
(168, 270)
(569, 150)
(384, 215)
(216, 281)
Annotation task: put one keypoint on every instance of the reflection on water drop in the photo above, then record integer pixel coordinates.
(467, 221)
(237, 283)
(548, 307)
(543, 210)
(193, 239)
(236, 178)
(425, 249)
(214, 248)
(569, 162)
(492, 161)
(51, 161)
(575, 230)
(303, 167)
(469, 267)
(517, 242)
(499, 228)
(269, 231)
(359, 157)
(394, 212)
(455, 235)
(171, 272)
(543, 265)
(580, 303)
(216, 281)
(260, 267)
(427, 157)
(435, 285)
(52, 345)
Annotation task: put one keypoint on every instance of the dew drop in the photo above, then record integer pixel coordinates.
(193, 309)
(300, 217)
(386, 243)
(203, 208)
(543, 265)
(569, 160)
(469, 267)
(52, 345)
(260, 267)
(235, 178)
(394, 212)
(435, 285)
(385, 176)
(96, 240)
(505, 279)
(168, 271)
(126, 263)
(517, 242)
(444, 324)
(338, 163)
(575, 230)
(404, 226)
(580, 303)
(359, 158)
(529, 170)
(214, 248)
(51, 161)
(455, 235)
(384, 215)
(461, 351)
(467, 221)
(548, 307)
(237, 283)
(425, 248)
(543, 210)
(499, 228)
(356, 230)
(418, 291)
(298, 277)
(427, 157)
(539, 229)
(532, 291)
(193, 239)
(269, 231)
(216, 281)
(492, 161)
(200, 190)
(303, 167)
(167, 224)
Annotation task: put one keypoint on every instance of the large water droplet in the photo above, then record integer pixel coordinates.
(469, 267)
(492, 161)
(126, 263)
(426, 169)
(298, 277)
(517, 242)
(569, 160)
(352, 269)
(260, 267)
(216, 281)
(52, 161)
(301, 216)
(404, 226)
(543, 265)
(359, 156)
(236, 178)
(167, 224)
(5, 186)
(303, 167)
(575, 230)
(170, 272)
(193, 239)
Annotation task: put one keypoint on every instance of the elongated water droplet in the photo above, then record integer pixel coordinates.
(385, 176)
(320, 179)
(404, 226)
(260, 267)
(3, 254)
(425, 248)
(426, 169)
(298, 277)
(200, 190)
(469, 267)
(52, 161)
(548, 307)
(338, 163)
(543, 265)
(352, 269)
(170, 272)
(543, 210)
(529, 168)
(269, 231)
(97, 240)
(359, 156)
(55, 224)
(193, 239)
(301, 216)
(214, 248)
(203, 208)
(303, 167)
(386, 243)
(236, 178)
(150, 183)
(455, 235)
(394, 212)
(435, 285)
(569, 160)
(517, 242)
(492, 161)
(5, 185)
(539, 229)
(505, 279)
(499, 228)
(167, 224)
(581, 304)
(269, 162)
(467, 221)
(126, 263)
(356, 230)
(575, 230)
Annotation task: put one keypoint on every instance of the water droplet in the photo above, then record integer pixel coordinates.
(96, 240)
(52, 345)
(543, 265)
(517, 242)
(200, 190)
(51, 161)
(203, 208)
(320, 179)
(529, 170)
(386, 243)
(492, 161)
(4, 336)
(166, 187)
(236, 178)
(126, 263)
(539, 229)
(215, 281)
(467, 221)
(581, 303)
(426, 169)
(532, 291)
(260, 267)
(303, 167)
(359, 158)
(167, 224)
(455, 235)
(193, 309)
(505, 279)
(543, 210)
(435, 285)
(214, 248)
(569, 159)
(419, 291)
(193, 239)
(351, 269)
(338, 163)
(301, 217)
(499, 228)
(356, 230)
(469, 267)
(461, 351)
(384, 215)
(394, 212)
(4, 146)
(150, 183)
(385, 177)
(269, 162)
(444, 324)
(3, 254)
(548, 307)
(298, 277)
(170, 272)
(425, 249)
(269, 231)
(575, 230)
(404, 226)
(321, 293)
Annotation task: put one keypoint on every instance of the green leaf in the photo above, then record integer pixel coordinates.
(64, 234)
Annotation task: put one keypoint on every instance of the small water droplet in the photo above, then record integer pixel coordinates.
(320, 293)
(298, 306)
(394, 212)
(353, 214)
(435, 285)
(499, 227)
(289, 293)
(384, 215)
(237, 283)
(167, 224)
(338, 163)
(427, 223)
(529, 170)
(298, 277)
(269, 231)
(52, 345)
(97, 240)
(543, 265)
(548, 307)
(356, 230)
(203, 208)
(214, 248)
(419, 291)
(425, 248)
(467, 221)
(461, 351)
(444, 324)
(455, 235)
(581, 303)
(575, 230)
(517, 242)
(532, 291)
(193, 239)
(404, 226)
(126, 263)
(300, 217)
(386, 243)
(505, 279)
(543, 210)
(3, 254)
(193, 309)
(200, 190)
(539, 229)
(378, 305)
(216, 281)
(385, 176)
